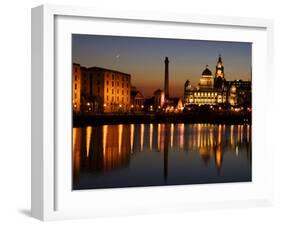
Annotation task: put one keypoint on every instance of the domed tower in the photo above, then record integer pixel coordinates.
(207, 80)
(219, 75)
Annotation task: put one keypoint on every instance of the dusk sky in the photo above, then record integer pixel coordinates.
(143, 58)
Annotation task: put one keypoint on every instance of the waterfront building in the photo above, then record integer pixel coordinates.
(206, 81)
(216, 90)
(110, 89)
(173, 105)
(159, 99)
(219, 80)
(205, 93)
(137, 101)
(243, 90)
(76, 87)
(98, 89)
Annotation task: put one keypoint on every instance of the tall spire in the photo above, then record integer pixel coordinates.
(219, 68)
(219, 75)
(219, 60)
(166, 85)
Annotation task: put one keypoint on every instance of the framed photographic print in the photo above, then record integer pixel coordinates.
(137, 112)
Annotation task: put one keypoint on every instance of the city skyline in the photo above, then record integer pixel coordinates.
(143, 58)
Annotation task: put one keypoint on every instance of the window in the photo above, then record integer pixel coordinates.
(75, 86)
(112, 83)
(98, 89)
(112, 91)
(75, 77)
(122, 85)
(122, 92)
(117, 91)
(107, 82)
(107, 90)
(117, 99)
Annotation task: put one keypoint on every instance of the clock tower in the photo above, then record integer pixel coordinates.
(219, 75)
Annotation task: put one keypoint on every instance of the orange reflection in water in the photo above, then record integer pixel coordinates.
(172, 135)
(88, 139)
(142, 135)
(110, 146)
(132, 132)
(150, 135)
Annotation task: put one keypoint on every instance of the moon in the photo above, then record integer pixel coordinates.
(117, 56)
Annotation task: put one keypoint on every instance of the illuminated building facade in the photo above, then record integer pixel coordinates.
(208, 91)
(159, 99)
(215, 90)
(101, 90)
(76, 87)
(137, 101)
(243, 92)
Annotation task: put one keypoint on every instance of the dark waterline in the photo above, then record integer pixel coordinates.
(131, 155)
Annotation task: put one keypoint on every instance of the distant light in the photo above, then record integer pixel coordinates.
(120, 105)
(104, 105)
(88, 104)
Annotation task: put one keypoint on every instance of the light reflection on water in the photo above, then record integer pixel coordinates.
(160, 154)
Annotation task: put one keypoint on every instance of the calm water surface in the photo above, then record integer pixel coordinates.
(128, 155)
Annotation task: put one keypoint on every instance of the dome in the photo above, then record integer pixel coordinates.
(207, 72)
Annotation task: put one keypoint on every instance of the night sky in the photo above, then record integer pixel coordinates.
(143, 58)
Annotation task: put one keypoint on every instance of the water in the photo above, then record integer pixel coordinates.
(129, 155)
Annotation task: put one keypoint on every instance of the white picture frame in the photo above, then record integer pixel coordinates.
(52, 197)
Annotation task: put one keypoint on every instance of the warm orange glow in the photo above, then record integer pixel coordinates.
(181, 134)
(172, 135)
(104, 139)
(76, 150)
(150, 135)
(238, 133)
(120, 132)
(142, 136)
(218, 157)
(248, 133)
(88, 139)
(219, 135)
(231, 134)
(132, 131)
(158, 137)
(199, 135)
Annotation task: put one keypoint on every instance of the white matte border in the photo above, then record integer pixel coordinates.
(108, 202)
